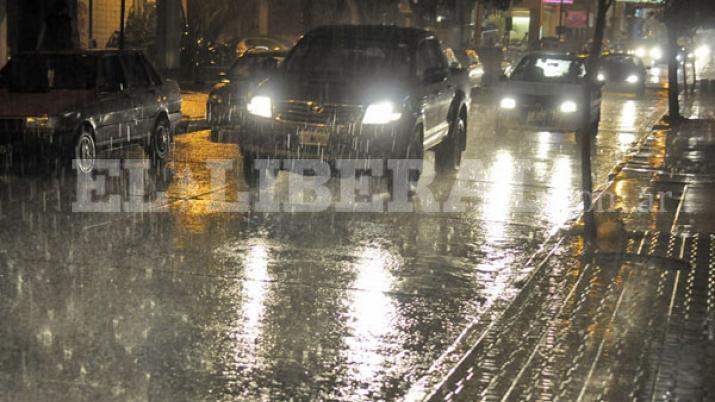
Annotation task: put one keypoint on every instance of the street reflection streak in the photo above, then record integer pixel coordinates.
(628, 116)
(558, 208)
(254, 290)
(372, 309)
(498, 201)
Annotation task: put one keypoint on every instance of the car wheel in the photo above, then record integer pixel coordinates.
(448, 155)
(85, 152)
(160, 142)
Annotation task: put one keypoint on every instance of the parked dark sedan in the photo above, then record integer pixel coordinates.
(75, 103)
(371, 92)
(226, 105)
(623, 72)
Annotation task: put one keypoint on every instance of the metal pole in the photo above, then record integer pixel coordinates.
(561, 19)
(121, 24)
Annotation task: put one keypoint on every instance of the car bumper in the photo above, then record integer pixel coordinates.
(538, 120)
(296, 140)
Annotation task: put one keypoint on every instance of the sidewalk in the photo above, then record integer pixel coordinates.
(193, 109)
(629, 318)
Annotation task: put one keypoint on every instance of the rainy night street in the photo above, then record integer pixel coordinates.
(194, 302)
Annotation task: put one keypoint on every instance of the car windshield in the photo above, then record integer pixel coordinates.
(39, 73)
(246, 67)
(619, 62)
(549, 69)
(345, 54)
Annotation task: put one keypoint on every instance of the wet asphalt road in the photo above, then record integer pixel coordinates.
(191, 304)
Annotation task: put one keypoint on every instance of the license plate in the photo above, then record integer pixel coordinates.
(539, 117)
(313, 136)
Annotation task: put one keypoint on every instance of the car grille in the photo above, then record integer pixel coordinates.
(10, 130)
(538, 101)
(314, 113)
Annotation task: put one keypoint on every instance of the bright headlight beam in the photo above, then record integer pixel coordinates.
(381, 113)
(640, 52)
(568, 107)
(260, 106)
(601, 77)
(702, 52)
(656, 53)
(632, 79)
(507, 103)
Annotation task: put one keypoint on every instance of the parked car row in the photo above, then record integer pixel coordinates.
(72, 104)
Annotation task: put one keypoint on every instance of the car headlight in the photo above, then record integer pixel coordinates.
(640, 52)
(702, 51)
(381, 113)
(260, 106)
(632, 79)
(507, 103)
(601, 77)
(39, 122)
(656, 53)
(568, 107)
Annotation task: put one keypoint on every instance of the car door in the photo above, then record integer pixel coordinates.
(114, 104)
(142, 94)
(428, 91)
(442, 92)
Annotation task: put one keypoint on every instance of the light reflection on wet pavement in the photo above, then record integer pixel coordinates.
(197, 305)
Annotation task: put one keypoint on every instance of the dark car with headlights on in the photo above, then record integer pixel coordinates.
(548, 91)
(72, 104)
(226, 104)
(623, 72)
(360, 92)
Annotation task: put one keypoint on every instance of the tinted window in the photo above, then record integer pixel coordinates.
(437, 57)
(50, 72)
(153, 75)
(136, 74)
(111, 75)
(251, 65)
(341, 54)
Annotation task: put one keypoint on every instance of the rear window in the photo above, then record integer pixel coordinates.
(38, 73)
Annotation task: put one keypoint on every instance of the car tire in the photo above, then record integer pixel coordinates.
(160, 142)
(84, 151)
(448, 155)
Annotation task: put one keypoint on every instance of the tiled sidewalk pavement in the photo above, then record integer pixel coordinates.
(632, 318)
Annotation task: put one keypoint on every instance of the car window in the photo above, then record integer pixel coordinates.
(328, 54)
(436, 55)
(422, 60)
(153, 75)
(111, 75)
(136, 74)
(38, 72)
(549, 69)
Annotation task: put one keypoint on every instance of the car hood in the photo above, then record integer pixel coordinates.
(334, 89)
(230, 89)
(52, 103)
(540, 88)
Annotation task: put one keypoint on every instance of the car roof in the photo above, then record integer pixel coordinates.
(553, 53)
(387, 32)
(105, 52)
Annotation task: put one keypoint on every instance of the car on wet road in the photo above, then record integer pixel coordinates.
(73, 104)
(226, 105)
(623, 72)
(374, 92)
(548, 91)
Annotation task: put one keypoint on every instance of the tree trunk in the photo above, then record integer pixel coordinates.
(673, 91)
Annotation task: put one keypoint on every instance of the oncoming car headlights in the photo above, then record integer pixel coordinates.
(601, 77)
(507, 103)
(261, 106)
(381, 113)
(632, 79)
(640, 52)
(568, 107)
(656, 53)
